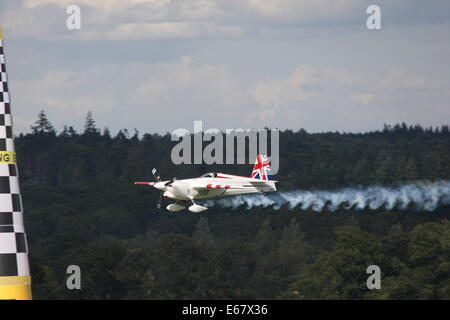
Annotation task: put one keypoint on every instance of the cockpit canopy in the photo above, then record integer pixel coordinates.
(209, 175)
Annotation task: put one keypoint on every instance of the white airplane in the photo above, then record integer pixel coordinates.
(213, 185)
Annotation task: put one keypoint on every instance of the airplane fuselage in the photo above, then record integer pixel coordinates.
(226, 185)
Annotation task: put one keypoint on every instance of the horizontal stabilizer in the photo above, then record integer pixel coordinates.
(265, 186)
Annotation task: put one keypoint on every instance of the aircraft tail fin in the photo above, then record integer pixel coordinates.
(261, 169)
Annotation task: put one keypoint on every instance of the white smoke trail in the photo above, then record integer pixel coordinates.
(424, 196)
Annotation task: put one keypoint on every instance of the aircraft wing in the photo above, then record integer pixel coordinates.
(217, 186)
(245, 185)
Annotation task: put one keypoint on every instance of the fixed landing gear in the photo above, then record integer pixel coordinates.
(196, 208)
(180, 205)
(174, 207)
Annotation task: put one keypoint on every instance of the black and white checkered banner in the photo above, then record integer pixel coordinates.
(13, 243)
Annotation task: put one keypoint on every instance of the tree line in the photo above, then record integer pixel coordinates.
(81, 207)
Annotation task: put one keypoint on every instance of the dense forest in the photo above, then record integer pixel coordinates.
(82, 208)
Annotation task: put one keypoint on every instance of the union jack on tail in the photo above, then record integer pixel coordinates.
(261, 170)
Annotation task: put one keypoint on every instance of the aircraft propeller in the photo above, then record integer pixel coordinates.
(158, 178)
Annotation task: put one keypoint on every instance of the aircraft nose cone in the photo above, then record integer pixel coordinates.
(159, 185)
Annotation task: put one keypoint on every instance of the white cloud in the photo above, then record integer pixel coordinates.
(176, 92)
(200, 9)
(119, 19)
(19, 21)
(108, 5)
(402, 78)
(306, 10)
(304, 84)
(187, 82)
(363, 98)
(171, 30)
(232, 63)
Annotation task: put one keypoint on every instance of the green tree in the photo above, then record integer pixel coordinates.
(42, 126)
(340, 274)
(89, 126)
(202, 233)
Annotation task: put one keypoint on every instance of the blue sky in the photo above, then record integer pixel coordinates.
(158, 65)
